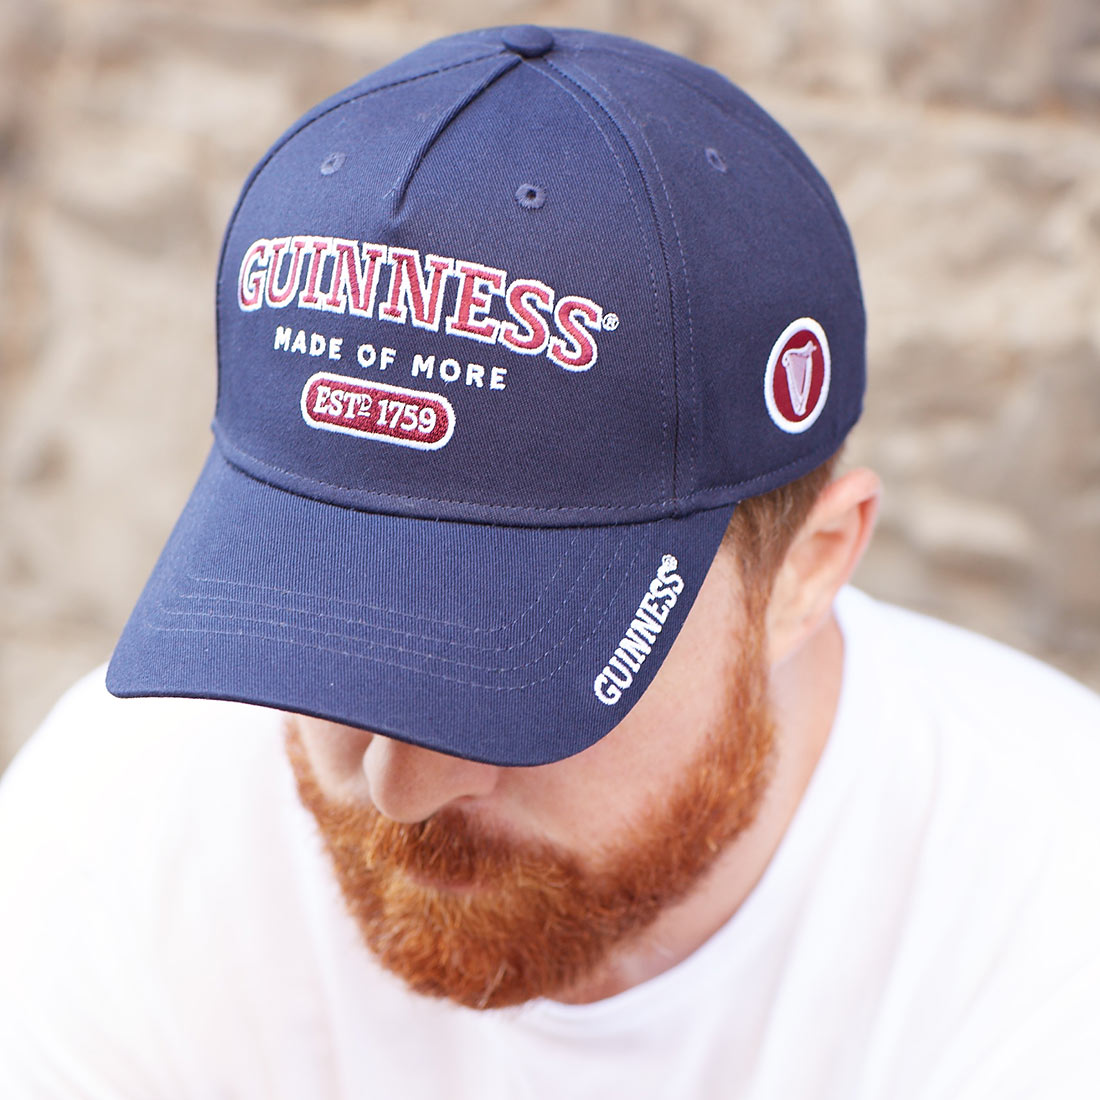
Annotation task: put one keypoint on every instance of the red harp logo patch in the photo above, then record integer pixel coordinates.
(796, 382)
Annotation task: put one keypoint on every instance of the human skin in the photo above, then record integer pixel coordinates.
(586, 804)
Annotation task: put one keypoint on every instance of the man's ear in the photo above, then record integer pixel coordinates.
(821, 558)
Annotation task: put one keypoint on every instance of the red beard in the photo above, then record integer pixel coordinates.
(487, 921)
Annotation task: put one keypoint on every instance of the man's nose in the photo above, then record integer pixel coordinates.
(409, 784)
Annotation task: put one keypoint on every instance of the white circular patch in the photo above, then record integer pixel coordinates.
(796, 382)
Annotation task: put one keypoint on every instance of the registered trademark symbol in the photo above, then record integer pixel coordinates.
(610, 322)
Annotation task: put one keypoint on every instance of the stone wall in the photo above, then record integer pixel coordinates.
(962, 139)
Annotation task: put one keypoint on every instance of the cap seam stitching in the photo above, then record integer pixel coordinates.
(811, 178)
(206, 632)
(284, 140)
(687, 294)
(401, 190)
(368, 607)
(637, 215)
(602, 616)
(745, 483)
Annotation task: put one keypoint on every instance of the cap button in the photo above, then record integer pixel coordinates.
(528, 41)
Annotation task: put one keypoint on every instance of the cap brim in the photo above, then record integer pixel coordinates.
(480, 641)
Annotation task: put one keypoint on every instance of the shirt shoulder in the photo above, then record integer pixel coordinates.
(994, 698)
(948, 853)
(153, 855)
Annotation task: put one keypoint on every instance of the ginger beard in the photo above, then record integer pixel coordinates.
(488, 921)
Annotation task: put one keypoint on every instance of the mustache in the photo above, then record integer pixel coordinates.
(450, 849)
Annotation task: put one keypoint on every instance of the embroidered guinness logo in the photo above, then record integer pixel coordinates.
(637, 643)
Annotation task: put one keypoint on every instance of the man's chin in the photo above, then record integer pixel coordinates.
(487, 921)
(433, 885)
(488, 943)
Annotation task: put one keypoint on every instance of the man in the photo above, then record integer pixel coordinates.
(494, 723)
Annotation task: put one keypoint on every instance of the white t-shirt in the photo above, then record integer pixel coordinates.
(929, 927)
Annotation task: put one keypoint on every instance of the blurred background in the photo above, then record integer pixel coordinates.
(961, 137)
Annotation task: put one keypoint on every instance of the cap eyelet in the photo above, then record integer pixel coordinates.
(333, 163)
(530, 196)
(714, 159)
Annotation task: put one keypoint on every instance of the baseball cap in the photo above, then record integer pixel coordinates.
(505, 332)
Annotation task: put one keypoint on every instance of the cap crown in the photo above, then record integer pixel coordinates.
(488, 283)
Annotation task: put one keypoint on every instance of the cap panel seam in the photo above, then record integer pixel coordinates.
(302, 125)
(641, 225)
(810, 178)
(401, 189)
(307, 122)
(402, 496)
(747, 483)
(687, 293)
(417, 499)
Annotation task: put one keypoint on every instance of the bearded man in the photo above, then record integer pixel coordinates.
(497, 721)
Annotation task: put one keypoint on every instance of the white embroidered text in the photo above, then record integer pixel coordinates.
(637, 643)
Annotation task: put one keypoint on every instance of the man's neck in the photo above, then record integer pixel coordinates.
(804, 691)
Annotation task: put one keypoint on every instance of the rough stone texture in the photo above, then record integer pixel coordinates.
(961, 137)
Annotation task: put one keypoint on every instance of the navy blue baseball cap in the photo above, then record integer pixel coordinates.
(505, 332)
